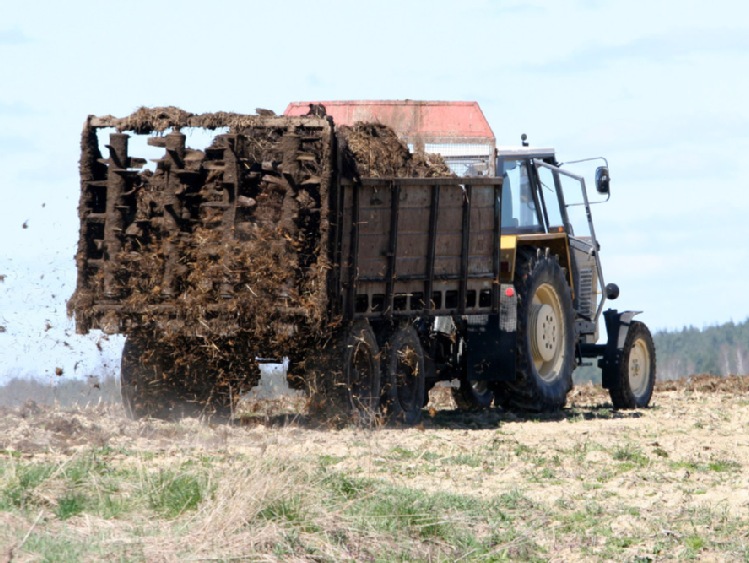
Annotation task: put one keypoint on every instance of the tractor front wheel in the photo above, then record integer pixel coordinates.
(636, 375)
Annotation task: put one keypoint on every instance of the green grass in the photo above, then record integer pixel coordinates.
(724, 466)
(57, 548)
(373, 507)
(344, 487)
(329, 460)
(171, 494)
(21, 481)
(713, 465)
(93, 485)
(291, 512)
(630, 455)
(71, 504)
(470, 460)
(320, 511)
(514, 500)
(694, 543)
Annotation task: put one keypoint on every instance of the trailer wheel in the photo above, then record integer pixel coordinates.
(404, 373)
(129, 378)
(546, 339)
(361, 371)
(153, 384)
(141, 374)
(636, 374)
(473, 395)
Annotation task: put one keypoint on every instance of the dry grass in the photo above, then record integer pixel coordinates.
(588, 484)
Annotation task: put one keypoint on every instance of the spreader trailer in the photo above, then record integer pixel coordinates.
(379, 256)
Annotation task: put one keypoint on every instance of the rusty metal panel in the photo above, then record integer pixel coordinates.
(434, 246)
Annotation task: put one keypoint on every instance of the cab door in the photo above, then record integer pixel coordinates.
(521, 209)
(572, 212)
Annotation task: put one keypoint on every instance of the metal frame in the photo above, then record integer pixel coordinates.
(581, 180)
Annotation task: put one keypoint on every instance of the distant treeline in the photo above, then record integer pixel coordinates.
(715, 350)
(60, 391)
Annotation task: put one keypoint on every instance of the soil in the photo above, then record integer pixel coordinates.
(677, 408)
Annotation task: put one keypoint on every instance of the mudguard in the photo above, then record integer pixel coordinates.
(492, 341)
(617, 325)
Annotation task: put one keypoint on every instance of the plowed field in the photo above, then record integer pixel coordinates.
(591, 483)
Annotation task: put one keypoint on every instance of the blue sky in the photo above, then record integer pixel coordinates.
(659, 88)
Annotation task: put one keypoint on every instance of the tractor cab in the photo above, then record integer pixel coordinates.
(522, 203)
(544, 204)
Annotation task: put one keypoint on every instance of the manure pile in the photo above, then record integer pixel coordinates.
(374, 150)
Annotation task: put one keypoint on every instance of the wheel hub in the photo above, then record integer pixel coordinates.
(639, 367)
(544, 332)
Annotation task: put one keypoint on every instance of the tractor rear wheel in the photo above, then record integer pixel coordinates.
(546, 338)
(404, 374)
(636, 375)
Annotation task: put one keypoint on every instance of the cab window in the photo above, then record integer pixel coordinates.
(518, 206)
(548, 187)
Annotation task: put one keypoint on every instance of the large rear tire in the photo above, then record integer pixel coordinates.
(404, 373)
(546, 337)
(636, 375)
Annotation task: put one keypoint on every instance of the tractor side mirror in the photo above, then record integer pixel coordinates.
(612, 291)
(602, 180)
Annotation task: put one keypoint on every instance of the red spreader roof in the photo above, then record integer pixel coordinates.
(431, 121)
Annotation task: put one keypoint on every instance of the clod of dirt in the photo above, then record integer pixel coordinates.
(734, 384)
